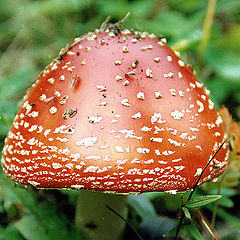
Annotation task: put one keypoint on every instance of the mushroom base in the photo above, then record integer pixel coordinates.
(95, 221)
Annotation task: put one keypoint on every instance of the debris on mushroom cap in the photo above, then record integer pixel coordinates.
(152, 130)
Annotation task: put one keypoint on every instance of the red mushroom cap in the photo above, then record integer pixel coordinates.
(116, 113)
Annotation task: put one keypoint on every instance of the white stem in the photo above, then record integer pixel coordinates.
(95, 221)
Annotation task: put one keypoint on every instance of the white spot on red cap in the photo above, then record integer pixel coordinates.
(199, 84)
(119, 149)
(168, 152)
(219, 120)
(181, 63)
(199, 147)
(102, 104)
(42, 97)
(173, 92)
(181, 93)
(198, 172)
(156, 139)
(83, 62)
(157, 117)
(162, 42)
(51, 80)
(180, 75)
(211, 104)
(134, 40)
(203, 97)
(95, 119)
(117, 62)
(91, 169)
(177, 160)
(70, 53)
(177, 114)
(137, 115)
(158, 94)
(175, 143)
(149, 73)
(87, 49)
(146, 47)
(125, 49)
(118, 78)
(53, 110)
(201, 106)
(93, 157)
(140, 95)
(168, 75)
(146, 129)
(125, 102)
(143, 150)
(102, 42)
(77, 186)
(33, 114)
(192, 85)
(101, 88)
(169, 58)
(126, 83)
(87, 142)
(56, 165)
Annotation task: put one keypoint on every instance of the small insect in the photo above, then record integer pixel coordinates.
(69, 113)
(134, 64)
(63, 99)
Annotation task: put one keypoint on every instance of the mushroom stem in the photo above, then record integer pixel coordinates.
(95, 221)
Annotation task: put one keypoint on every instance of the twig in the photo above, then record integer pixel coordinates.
(115, 27)
(125, 220)
(206, 225)
(193, 190)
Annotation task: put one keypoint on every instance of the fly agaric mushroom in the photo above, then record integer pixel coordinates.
(115, 112)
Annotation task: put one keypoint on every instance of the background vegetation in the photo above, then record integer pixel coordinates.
(31, 34)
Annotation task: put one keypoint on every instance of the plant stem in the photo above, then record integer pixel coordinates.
(208, 21)
(206, 225)
(214, 213)
(93, 218)
(193, 190)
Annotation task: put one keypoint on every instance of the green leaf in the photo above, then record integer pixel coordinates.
(36, 228)
(226, 202)
(7, 114)
(175, 23)
(219, 93)
(228, 217)
(172, 232)
(224, 61)
(12, 89)
(115, 9)
(202, 201)
(14, 85)
(32, 229)
(153, 195)
(142, 206)
(9, 233)
(230, 192)
(188, 42)
(38, 216)
(194, 232)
